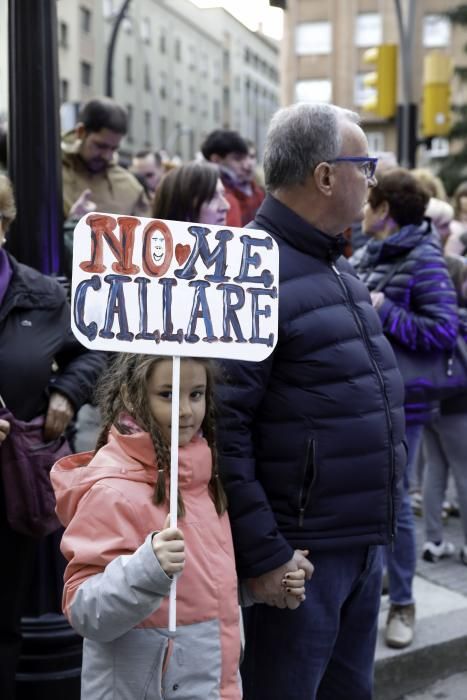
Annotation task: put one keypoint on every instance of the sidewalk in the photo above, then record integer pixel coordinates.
(440, 645)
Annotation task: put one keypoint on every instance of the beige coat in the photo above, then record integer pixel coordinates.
(114, 190)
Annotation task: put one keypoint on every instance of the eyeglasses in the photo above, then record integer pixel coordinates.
(366, 164)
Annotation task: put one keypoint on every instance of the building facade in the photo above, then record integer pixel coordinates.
(181, 71)
(324, 44)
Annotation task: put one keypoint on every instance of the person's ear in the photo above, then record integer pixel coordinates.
(215, 158)
(323, 176)
(80, 130)
(383, 210)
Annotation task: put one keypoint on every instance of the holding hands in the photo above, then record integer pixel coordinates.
(169, 547)
(284, 587)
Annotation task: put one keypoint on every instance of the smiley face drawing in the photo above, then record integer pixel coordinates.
(158, 247)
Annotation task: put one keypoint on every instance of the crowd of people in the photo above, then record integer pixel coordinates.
(299, 475)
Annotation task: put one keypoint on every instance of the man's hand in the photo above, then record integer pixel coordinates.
(4, 429)
(59, 414)
(169, 547)
(83, 205)
(268, 587)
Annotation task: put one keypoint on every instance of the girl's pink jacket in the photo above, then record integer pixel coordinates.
(116, 592)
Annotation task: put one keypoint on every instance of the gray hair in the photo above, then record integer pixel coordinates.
(300, 137)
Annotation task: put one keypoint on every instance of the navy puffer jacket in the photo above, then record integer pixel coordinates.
(311, 440)
(420, 309)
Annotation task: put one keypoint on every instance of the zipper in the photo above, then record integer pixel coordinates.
(309, 478)
(386, 401)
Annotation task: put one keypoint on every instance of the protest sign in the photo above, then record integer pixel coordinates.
(174, 288)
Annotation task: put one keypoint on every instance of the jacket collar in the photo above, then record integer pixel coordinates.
(400, 243)
(287, 225)
(27, 290)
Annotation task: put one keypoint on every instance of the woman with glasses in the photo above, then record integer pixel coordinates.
(404, 269)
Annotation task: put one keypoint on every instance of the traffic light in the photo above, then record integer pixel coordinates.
(437, 73)
(383, 80)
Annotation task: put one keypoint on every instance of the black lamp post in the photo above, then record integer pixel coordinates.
(50, 662)
(34, 134)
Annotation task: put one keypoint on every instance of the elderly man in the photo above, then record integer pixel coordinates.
(311, 439)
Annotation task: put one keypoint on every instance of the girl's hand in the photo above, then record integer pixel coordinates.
(4, 429)
(169, 547)
(294, 586)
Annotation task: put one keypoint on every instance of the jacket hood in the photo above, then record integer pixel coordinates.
(400, 243)
(126, 457)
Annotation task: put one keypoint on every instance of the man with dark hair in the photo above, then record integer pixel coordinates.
(311, 440)
(230, 152)
(92, 179)
(148, 169)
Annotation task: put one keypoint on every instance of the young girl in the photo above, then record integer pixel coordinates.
(122, 554)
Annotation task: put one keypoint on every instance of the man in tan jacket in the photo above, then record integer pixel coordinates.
(92, 178)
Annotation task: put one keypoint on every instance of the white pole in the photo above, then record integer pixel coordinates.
(174, 479)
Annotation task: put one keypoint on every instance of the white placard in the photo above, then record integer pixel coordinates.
(174, 288)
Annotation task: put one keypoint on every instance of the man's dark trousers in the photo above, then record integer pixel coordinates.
(324, 650)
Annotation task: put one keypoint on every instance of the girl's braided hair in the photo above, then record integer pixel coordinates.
(123, 389)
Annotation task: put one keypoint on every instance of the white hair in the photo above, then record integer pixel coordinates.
(300, 137)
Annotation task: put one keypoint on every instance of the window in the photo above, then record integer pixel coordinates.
(129, 109)
(368, 29)
(375, 141)
(64, 90)
(163, 131)
(216, 108)
(147, 128)
(146, 30)
(178, 92)
(85, 19)
(147, 78)
(313, 38)
(162, 42)
(192, 98)
(86, 74)
(128, 69)
(436, 31)
(163, 86)
(313, 91)
(191, 57)
(204, 65)
(178, 50)
(362, 93)
(63, 35)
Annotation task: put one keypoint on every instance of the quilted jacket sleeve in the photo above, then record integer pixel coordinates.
(259, 546)
(420, 308)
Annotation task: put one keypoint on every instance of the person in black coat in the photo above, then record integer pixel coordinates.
(418, 309)
(312, 439)
(44, 371)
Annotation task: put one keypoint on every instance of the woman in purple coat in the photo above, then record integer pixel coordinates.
(418, 309)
